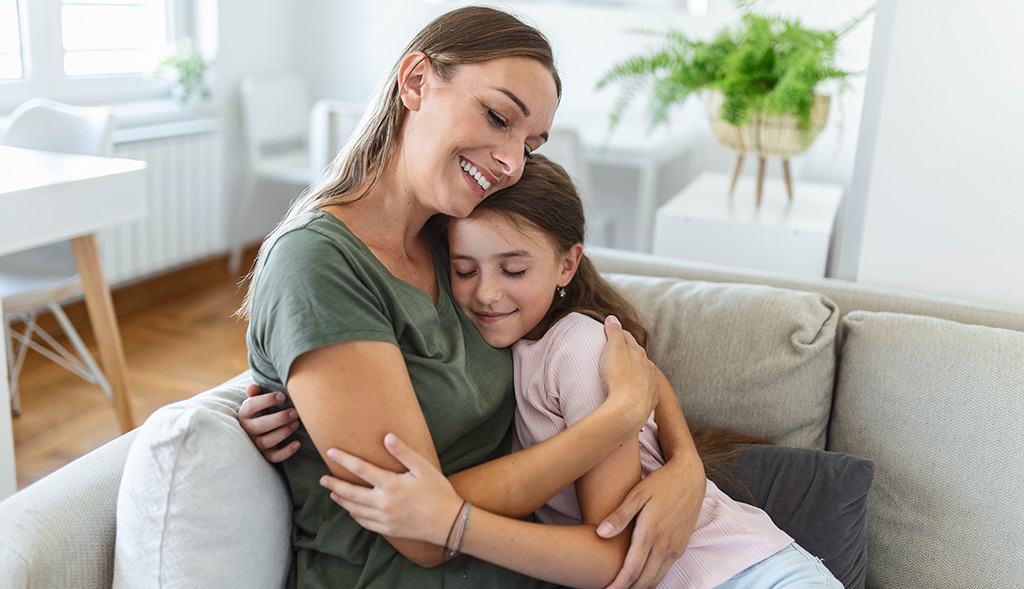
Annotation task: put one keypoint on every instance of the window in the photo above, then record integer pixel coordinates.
(85, 50)
(104, 38)
(10, 41)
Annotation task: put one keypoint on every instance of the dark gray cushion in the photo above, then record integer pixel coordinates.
(819, 498)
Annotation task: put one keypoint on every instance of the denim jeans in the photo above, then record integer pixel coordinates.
(788, 568)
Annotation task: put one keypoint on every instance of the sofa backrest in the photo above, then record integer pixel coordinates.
(848, 296)
(931, 389)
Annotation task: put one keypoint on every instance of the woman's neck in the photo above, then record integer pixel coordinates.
(393, 228)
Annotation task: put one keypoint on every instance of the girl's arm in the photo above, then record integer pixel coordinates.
(666, 504)
(422, 504)
(329, 389)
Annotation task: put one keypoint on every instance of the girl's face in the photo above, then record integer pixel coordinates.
(466, 138)
(504, 275)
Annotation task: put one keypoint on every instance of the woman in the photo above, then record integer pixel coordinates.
(351, 315)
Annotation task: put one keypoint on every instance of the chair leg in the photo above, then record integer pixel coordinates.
(240, 217)
(96, 375)
(15, 358)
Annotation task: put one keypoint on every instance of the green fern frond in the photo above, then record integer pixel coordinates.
(766, 64)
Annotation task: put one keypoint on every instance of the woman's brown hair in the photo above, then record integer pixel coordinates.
(472, 34)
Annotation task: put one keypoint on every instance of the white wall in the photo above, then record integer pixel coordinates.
(932, 194)
(939, 197)
(254, 36)
(345, 48)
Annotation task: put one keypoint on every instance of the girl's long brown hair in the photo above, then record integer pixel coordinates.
(546, 198)
(472, 34)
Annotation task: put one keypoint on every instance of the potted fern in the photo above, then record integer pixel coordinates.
(763, 77)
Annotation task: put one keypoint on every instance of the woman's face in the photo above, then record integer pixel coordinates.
(504, 275)
(468, 137)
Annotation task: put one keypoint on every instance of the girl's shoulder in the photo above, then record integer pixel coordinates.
(576, 328)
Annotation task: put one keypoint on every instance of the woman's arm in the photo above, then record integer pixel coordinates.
(666, 504)
(329, 389)
(421, 504)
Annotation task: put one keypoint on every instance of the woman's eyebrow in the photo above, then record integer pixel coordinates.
(512, 96)
(522, 106)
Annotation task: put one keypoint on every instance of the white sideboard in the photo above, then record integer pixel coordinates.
(704, 223)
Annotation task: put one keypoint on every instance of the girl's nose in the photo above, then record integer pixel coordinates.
(487, 293)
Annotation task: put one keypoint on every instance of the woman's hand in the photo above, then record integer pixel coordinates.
(668, 502)
(266, 428)
(419, 504)
(629, 377)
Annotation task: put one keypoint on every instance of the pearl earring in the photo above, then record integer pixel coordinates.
(560, 290)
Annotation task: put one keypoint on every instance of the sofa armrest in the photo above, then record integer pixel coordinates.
(59, 531)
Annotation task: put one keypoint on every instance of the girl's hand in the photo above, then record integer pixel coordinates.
(668, 502)
(267, 428)
(628, 375)
(419, 504)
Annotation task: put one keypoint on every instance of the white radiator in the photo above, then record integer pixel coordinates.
(186, 220)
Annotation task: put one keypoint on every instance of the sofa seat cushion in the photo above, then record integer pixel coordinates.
(819, 498)
(939, 407)
(198, 506)
(755, 359)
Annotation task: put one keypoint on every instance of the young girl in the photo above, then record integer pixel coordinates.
(520, 276)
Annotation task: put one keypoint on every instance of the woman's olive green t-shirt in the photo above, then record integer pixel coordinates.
(319, 286)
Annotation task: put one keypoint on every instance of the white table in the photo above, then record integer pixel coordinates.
(631, 146)
(704, 223)
(48, 197)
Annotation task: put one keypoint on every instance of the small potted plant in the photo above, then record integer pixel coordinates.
(763, 77)
(187, 70)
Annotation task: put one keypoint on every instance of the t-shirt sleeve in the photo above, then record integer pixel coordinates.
(310, 294)
(574, 375)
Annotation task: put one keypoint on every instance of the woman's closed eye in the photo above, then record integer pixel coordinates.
(501, 122)
(463, 275)
(496, 119)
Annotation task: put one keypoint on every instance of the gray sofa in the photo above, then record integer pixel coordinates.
(931, 390)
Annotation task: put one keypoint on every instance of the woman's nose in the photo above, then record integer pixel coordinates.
(511, 159)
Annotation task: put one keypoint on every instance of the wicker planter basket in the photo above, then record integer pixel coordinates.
(779, 137)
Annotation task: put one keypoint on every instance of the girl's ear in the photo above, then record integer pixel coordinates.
(412, 73)
(571, 263)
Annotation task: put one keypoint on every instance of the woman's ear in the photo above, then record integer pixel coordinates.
(412, 72)
(571, 263)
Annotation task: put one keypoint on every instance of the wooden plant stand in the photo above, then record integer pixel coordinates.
(760, 177)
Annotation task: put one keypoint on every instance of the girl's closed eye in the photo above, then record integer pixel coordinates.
(514, 273)
(468, 273)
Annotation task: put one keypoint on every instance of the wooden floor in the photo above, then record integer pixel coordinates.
(179, 339)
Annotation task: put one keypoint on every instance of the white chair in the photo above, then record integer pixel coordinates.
(331, 123)
(565, 147)
(275, 117)
(37, 280)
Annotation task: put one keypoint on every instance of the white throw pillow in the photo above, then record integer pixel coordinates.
(198, 505)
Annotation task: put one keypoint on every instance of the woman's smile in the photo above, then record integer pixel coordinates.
(476, 174)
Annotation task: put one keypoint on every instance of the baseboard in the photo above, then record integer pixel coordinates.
(138, 295)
